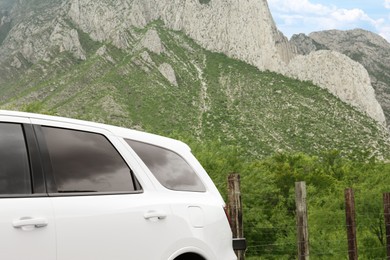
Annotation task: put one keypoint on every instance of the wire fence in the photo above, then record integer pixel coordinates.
(327, 228)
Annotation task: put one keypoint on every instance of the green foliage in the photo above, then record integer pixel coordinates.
(37, 107)
(87, 43)
(204, 1)
(34, 107)
(267, 188)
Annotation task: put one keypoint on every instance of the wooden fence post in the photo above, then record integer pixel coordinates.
(235, 209)
(302, 226)
(351, 224)
(386, 206)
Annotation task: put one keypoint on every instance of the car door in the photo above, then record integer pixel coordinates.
(101, 211)
(27, 230)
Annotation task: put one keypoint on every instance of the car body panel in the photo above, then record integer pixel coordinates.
(150, 223)
(27, 242)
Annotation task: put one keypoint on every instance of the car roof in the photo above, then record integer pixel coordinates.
(136, 135)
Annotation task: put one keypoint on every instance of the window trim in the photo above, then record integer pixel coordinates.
(23, 196)
(37, 183)
(37, 174)
(98, 193)
(46, 162)
(52, 189)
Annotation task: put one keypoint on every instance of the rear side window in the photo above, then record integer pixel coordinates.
(170, 169)
(86, 162)
(14, 164)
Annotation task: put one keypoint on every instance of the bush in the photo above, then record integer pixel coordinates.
(204, 2)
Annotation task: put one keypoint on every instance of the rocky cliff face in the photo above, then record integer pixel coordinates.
(241, 29)
(38, 32)
(353, 81)
(367, 48)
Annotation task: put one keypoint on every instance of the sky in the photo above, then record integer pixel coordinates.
(306, 16)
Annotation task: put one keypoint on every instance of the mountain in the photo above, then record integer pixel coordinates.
(367, 48)
(199, 69)
(241, 29)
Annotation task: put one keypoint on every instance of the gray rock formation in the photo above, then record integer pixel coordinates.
(36, 34)
(67, 39)
(349, 80)
(241, 29)
(152, 42)
(102, 52)
(167, 71)
(305, 44)
(365, 47)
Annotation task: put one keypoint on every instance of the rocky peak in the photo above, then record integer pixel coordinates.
(305, 44)
(348, 39)
(351, 78)
(367, 48)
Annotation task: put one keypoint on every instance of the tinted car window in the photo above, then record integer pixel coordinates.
(14, 164)
(86, 162)
(170, 169)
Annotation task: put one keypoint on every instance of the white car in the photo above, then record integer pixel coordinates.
(72, 189)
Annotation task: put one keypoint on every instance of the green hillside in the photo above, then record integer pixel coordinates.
(216, 98)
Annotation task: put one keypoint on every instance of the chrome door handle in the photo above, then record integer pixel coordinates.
(155, 215)
(28, 223)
